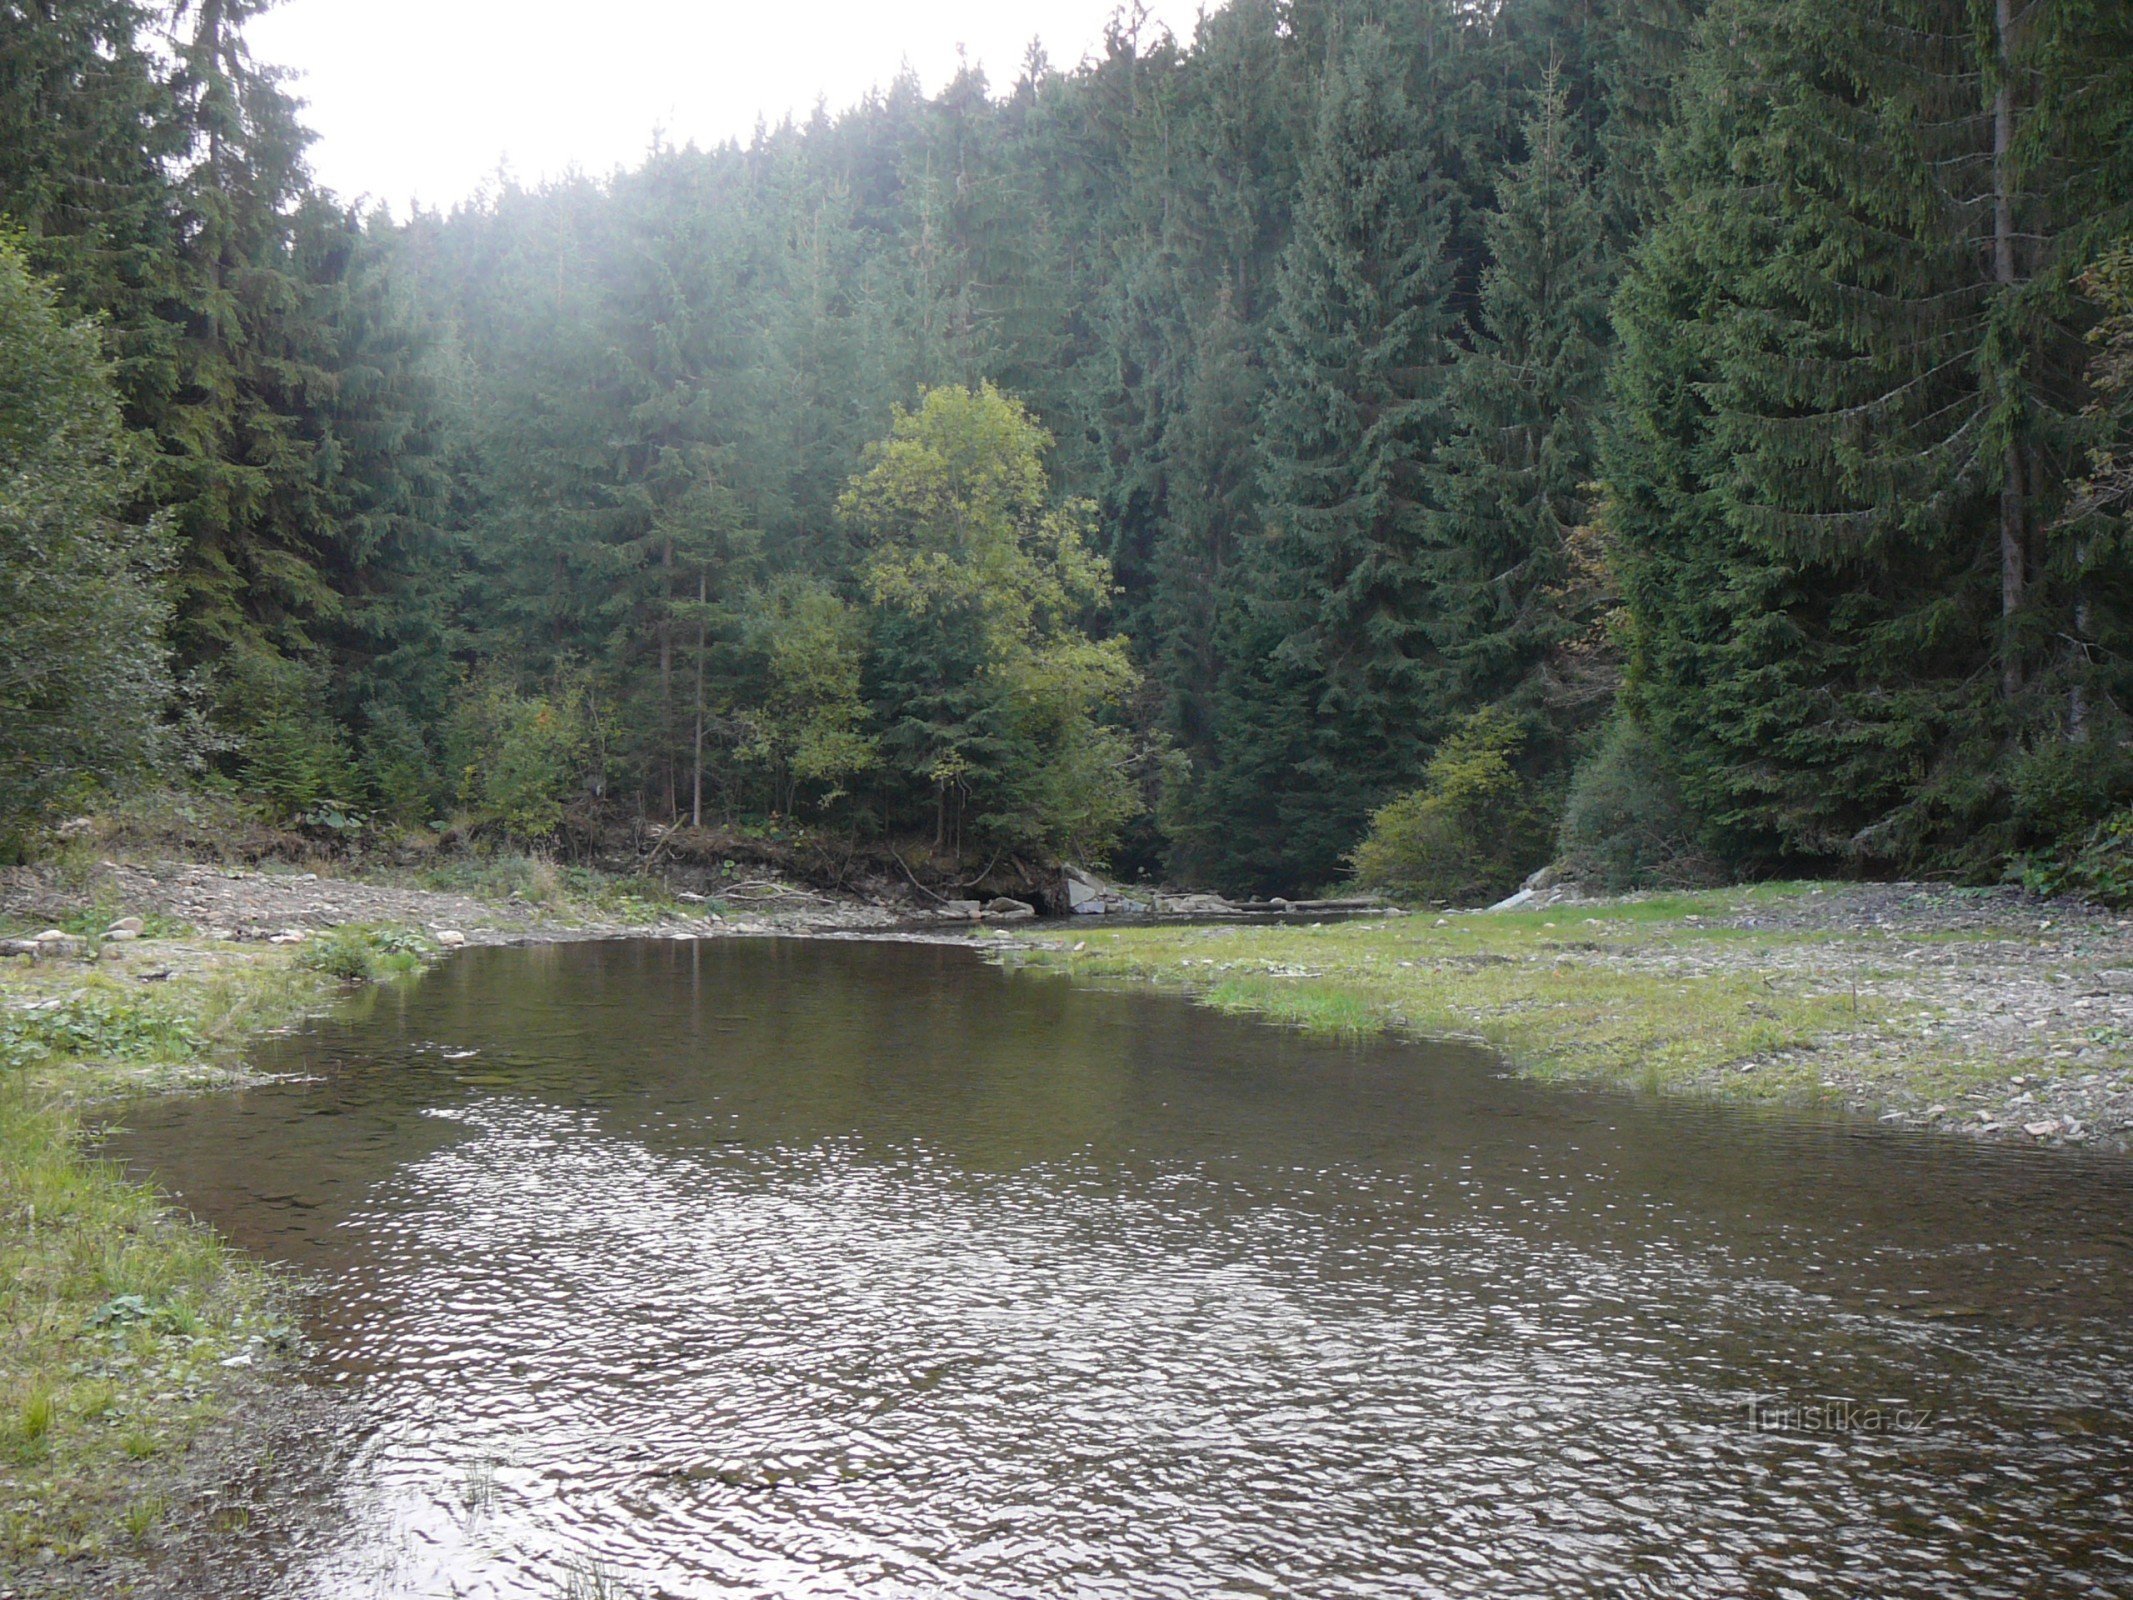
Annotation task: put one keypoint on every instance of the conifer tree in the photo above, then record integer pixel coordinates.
(1850, 355)
(1323, 714)
(240, 461)
(88, 127)
(1512, 481)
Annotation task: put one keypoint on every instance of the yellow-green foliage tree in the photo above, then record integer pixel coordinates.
(1469, 833)
(808, 726)
(989, 689)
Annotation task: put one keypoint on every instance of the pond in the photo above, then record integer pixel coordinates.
(788, 1268)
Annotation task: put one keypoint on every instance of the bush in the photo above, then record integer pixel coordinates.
(357, 954)
(2098, 866)
(518, 757)
(1470, 833)
(1625, 825)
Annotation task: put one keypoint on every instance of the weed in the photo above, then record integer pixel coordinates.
(97, 1023)
(588, 1579)
(35, 1416)
(358, 954)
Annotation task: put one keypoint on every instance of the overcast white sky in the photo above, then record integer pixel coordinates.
(423, 98)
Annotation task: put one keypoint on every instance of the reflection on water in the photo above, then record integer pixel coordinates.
(775, 1269)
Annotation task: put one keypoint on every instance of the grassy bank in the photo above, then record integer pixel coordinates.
(1793, 992)
(127, 1331)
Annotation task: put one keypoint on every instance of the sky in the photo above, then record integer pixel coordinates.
(423, 99)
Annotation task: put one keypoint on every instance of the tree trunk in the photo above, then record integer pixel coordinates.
(2014, 507)
(696, 782)
(666, 676)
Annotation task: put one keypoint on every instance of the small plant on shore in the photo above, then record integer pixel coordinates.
(34, 1417)
(591, 1580)
(358, 954)
(95, 1024)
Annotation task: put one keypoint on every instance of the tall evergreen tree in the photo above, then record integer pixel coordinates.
(1323, 714)
(88, 129)
(1847, 415)
(240, 463)
(1513, 480)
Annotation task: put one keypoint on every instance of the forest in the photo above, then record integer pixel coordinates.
(1399, 442)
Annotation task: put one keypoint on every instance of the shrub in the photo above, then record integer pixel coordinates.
(2098, 866)
(290, 753)
(357, 954)
(518, 757)
(1625, 825)
(1470, 833)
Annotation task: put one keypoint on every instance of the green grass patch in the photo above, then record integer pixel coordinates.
(1656, 992)
(114, 1315)
(115, 1311)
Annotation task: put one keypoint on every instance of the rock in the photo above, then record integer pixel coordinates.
(1084, 892)
(1003, 909)
(451, 938)
(133, 925)
(289, 936)
(1511, 902)
(1194, 905)
(121, 935)
(113, 952)
(963, 910)
(54, 936)
(1089, 895)
(2041, 1130)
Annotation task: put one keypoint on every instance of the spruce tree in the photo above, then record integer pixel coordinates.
(240, 465)
(1323, 712)
(88, 127)
(1851, 357)
(1513, 480)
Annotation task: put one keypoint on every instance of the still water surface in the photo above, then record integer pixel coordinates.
(785, 1268)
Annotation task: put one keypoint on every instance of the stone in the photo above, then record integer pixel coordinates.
(121, 935)
(451, 938)
(113, 952)
(133, 925)
(965, 910)
(1002, 908)
(2041, 1130)
(1194, 905)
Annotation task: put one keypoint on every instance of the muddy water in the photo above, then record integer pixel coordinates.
(784, 1269)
